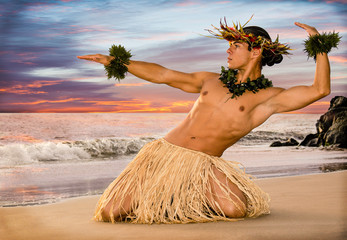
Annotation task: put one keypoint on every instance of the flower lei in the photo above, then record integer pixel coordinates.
(236, 33)
(228, 77)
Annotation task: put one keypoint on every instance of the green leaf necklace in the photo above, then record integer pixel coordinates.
(228, 77)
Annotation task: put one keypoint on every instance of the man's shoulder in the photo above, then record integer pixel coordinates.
(209, 75)
(209, 78)
(273, 91)
(265, 98)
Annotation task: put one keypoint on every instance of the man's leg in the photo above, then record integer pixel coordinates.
(217, 195)
(119, 211)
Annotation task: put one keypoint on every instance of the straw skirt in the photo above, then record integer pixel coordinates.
(170, 184)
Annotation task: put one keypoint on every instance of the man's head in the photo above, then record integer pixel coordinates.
(240, 55)
(256, 38)
(268, 57)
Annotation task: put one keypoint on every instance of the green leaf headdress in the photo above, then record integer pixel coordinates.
(237, 33)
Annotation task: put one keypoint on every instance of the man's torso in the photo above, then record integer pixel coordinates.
(216, 121)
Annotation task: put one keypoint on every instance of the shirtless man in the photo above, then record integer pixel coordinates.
(216, 122)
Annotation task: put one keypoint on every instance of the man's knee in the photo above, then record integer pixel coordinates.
(232, 211)
(105, 213)
(119, 210)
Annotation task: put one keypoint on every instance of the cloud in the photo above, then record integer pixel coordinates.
(335, 1)
(44, 101)
(41, 39)
(315, 108)
(338, 59)
(131, 84)
(31, 88)
(53, 72)
(186, 3)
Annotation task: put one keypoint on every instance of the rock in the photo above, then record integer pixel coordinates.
(289, 142)
(276, 144)
(338, 102)
(310, 140)
(337, 133)
(331, 167)
(331, 126)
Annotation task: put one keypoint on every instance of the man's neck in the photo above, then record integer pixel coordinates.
(252, 71)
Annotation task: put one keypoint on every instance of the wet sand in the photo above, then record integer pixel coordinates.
(302, 207)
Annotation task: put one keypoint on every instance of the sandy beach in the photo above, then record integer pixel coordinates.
(302, 207)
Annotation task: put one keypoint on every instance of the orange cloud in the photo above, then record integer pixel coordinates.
(339, 77)
(148, 109)
(319, 107)
(179, 106)
(15, 90)
(39, 84)
(27, 89)
(323, 103)
(137, 105)
(134, 105)
(100, 107)
(131, 84)
(186, 3)
(338, 59)
(122, 106)
(46, 101)
(183, 104)
(25, 58)
(69, 110)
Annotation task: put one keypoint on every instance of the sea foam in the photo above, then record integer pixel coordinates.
(19, 154)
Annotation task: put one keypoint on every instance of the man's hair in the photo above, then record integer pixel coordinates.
(268, 57)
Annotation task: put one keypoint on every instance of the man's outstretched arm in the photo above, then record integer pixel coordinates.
(188, 82)
(300, 96)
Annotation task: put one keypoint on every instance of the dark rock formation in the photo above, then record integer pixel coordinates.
(310, 140)
(331, 167)
(290, 142)
(331, 126)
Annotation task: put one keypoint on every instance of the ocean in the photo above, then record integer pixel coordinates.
(47, 157)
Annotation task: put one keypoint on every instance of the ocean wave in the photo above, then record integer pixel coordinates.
(267, 137)
(19, 154)
(52, 151)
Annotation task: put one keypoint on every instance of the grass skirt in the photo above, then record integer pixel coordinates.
(168, 184)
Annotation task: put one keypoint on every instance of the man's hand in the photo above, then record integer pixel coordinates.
(310, 30)
(99, 58)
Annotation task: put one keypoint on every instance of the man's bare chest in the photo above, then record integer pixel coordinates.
(231, 113)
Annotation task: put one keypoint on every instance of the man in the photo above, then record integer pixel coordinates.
(215, 123)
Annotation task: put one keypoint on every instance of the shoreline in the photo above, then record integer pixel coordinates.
(34, 193)
(302, 207)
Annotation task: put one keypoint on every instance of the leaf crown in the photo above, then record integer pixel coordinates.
(237, 33)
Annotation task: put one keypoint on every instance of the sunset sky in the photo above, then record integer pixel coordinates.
(39, 71)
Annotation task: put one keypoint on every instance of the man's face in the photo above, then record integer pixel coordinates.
(238, 55)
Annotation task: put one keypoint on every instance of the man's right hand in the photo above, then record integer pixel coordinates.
(99, 58)
(309, 29)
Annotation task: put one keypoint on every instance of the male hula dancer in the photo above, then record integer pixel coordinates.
(181, 177)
